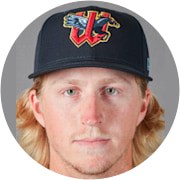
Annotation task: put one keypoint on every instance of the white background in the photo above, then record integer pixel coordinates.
(16, 15)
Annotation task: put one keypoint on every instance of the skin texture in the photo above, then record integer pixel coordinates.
(90, 116)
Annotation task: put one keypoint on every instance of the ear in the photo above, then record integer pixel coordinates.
(144, 106)
(35, 104)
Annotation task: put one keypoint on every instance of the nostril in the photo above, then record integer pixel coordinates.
(91, 122)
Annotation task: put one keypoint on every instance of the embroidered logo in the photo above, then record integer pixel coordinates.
(91, 27)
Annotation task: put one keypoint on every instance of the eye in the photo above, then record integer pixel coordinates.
(70, 92)
(111, 91)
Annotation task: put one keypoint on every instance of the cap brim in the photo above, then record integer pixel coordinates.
(88, 63)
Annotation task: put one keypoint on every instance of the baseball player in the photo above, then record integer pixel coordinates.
(90, 113)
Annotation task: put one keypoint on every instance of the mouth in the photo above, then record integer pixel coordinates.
(92, 142)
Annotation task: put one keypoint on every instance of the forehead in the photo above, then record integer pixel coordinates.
(86, 74)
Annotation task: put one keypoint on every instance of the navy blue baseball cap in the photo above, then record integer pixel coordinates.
(92, 37)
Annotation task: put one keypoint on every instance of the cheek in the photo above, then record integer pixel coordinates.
(123, 119)
(57, 121)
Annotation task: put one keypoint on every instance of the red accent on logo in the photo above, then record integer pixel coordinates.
(87, 35)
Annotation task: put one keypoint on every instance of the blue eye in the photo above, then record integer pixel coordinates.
(70, 92)
(111, 91)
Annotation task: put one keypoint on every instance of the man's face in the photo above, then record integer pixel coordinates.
(90, 116)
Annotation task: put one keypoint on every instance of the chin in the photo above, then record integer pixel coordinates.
(92, 166)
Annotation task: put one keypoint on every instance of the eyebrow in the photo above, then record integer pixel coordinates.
(114, 80)
(102, 81)
(68, 81)
(74, 82)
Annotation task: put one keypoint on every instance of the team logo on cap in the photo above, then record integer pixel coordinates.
(91, 27)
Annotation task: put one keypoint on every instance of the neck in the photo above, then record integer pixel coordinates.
(58, 165)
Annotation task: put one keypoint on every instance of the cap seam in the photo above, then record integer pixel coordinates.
(88, 58)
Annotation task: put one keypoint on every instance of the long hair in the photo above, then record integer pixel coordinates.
(33, 137)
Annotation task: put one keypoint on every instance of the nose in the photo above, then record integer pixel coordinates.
(91, 111)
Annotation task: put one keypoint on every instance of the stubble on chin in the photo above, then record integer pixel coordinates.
(94, 165)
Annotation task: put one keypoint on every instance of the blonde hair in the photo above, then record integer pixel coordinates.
(34, 141)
